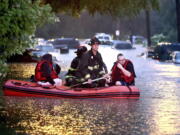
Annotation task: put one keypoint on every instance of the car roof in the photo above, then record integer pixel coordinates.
(176, 51)
(65, 39)
(120, 41)
(45, 45)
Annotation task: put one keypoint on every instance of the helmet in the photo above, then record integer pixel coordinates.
(81, 50)
(94, 40)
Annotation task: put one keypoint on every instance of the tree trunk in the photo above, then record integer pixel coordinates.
(148, 28)
(178, 19)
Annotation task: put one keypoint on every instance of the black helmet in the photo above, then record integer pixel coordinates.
(94, 40)
(81, 50)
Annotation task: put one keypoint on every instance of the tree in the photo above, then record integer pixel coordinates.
(148, 27)
(112, 7)
(87, 25)
(19, 19)
(178, 19)
(164, 20)
(115, 8)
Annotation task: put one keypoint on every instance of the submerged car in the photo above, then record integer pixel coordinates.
(176, 57)
(64, 44)
(40, 50)
(119, 44)
(105, 39)
(164, 52)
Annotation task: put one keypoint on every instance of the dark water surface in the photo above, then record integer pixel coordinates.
(156, 112)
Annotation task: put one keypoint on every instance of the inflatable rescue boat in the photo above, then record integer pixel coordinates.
(29, 89)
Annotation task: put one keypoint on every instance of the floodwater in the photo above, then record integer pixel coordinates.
(156, 112)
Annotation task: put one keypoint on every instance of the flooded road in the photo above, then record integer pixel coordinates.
(156, 112)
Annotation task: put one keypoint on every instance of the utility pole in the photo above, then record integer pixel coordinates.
(178, 19)
(117, 29)
(148, 28)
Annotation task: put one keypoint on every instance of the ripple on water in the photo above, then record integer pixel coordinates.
(66, 116)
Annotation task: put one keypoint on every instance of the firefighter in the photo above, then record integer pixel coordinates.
(91, 66)
(70, 77)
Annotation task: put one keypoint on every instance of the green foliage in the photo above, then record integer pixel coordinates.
(19, 19)
(168, 16)
(3, 69)
(157, 39)
(112, 7)
(164, 21)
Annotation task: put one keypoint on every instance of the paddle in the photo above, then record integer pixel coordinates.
(97, 79)
(86, 82)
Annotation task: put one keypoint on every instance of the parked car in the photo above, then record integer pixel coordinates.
(40, 50)
(64, 44)
(163, 52)
(135, 39)
(176, 57)
(58, 44)
(119, 44)
(105, 39)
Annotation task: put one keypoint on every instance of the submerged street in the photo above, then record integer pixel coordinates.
(155, 112)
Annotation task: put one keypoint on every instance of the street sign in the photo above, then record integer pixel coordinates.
(117, 33)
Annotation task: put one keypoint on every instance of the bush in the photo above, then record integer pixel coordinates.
(157, 38)
(19, 19)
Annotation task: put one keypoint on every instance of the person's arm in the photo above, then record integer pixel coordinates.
(82, 66)
(75, 63)
(105, 68)
(46, 71)
(103, 64)
(57, 68)
(125, 71)
(130, 68)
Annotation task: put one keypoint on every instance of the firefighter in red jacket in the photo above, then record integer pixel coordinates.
(123, 72)
(45, 74)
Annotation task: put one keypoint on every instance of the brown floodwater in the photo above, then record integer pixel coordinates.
(156, 112)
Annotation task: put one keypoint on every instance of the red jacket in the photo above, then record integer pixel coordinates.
(118, 75)
(39, 74)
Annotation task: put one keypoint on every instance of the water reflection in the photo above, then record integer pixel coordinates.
(21, 70)
(104, 116)
(165, 116)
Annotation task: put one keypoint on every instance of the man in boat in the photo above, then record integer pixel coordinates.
(70, 77)
(123, 72)
(45, 74)
(91, 66)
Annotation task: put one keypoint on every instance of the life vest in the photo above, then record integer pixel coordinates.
(39, 75)
(118, 75)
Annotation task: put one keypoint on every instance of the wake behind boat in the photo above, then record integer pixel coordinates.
(29, 89)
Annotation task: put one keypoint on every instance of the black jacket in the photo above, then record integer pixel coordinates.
(73, 67)
(88, 61)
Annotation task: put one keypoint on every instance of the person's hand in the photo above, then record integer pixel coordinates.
(118, 83)
(119, 66)
(106, 76)
(89, 81)
(46, 85)
(58, 82)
